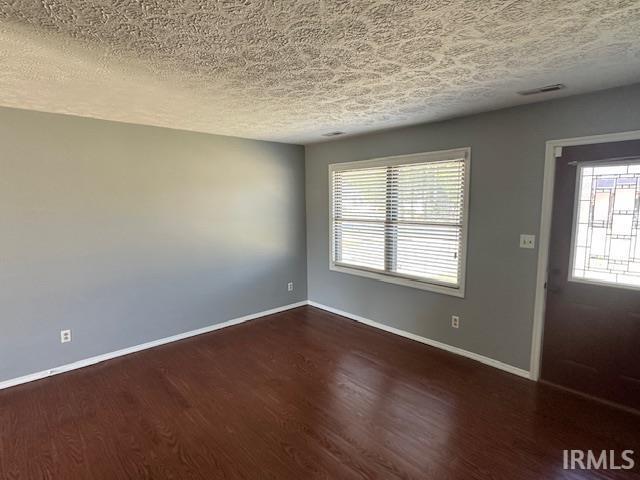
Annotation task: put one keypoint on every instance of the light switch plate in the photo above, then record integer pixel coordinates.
(527, 241)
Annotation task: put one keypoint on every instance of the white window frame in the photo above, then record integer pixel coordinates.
(405, 280)
(574, 227)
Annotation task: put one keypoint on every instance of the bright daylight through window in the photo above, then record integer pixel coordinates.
(402, 219)
(606, 244)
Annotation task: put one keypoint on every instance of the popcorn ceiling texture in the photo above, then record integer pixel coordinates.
(292, 70)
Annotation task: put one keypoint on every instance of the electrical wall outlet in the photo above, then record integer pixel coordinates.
(455, 321)
(290, 286)
(527, 241)
(65, 336)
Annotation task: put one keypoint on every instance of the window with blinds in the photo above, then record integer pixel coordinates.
(402, 219)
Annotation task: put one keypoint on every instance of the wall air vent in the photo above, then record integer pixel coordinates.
(545, 89)
(332, 134)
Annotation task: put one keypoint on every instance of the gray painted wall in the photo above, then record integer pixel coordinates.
(127, 234)
(507, 163)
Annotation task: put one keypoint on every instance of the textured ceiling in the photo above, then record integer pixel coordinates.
(292, 70)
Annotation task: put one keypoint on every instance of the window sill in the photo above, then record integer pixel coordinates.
(405, 282)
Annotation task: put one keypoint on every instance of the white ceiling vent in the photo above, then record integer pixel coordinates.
(332, 134)
(545, 89)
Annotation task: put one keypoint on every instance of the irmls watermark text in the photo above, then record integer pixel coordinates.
(598, 460)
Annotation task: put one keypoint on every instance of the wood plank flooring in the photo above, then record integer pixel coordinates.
(302, 394)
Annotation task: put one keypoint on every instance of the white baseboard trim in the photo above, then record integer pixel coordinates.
(427, 341)
(136, 348)
(155, 343)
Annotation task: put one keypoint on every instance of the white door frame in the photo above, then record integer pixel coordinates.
(545, 231)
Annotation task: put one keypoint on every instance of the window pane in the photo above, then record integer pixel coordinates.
(619, 249)
(429, 251)
(361, 194)
(601, 207)
(585, 192)
(621, 168)
(625, 198)
(402, 219)
(621, 225)
(598, 240)
(431, 192)
(360, 244)
(606, 241)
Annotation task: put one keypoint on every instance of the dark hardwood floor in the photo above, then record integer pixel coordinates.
(300, 395)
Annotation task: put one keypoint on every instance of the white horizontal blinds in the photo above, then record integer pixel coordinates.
(359, 215)
(430, 200)
(405, 220)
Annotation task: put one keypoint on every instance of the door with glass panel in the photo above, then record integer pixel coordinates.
(592, 322)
